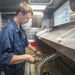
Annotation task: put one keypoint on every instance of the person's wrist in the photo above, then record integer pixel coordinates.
(35, 51)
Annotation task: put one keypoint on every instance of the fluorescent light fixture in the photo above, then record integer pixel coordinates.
(38, 7)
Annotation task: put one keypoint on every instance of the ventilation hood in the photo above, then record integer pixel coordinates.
(11, 5)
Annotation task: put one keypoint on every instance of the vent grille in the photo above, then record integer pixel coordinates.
(39, 1)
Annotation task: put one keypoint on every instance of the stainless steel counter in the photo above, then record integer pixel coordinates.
(51, 38)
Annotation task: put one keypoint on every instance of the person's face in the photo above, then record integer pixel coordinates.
(24, 18)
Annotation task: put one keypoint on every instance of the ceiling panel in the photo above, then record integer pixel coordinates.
(10, 5)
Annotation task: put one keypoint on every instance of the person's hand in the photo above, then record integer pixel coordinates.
(30, 58)
(39, 53)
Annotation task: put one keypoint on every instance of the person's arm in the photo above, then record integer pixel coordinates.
(7, 55)
(5, 47)
(34, 50)
(31, 47)
(21, 58)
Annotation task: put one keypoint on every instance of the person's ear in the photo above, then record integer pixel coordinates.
(20, 13)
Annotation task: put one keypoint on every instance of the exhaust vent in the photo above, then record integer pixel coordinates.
(40, 1)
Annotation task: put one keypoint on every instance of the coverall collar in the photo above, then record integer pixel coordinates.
(16, 26)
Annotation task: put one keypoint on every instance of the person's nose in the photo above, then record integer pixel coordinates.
(26, 20)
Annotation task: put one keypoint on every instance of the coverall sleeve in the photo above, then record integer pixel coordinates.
(6, 47)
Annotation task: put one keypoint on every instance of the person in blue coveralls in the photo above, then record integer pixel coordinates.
(13, 41)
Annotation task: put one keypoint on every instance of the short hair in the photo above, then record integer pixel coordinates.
(24, 8)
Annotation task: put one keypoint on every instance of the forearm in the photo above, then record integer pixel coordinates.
(34, 50)
(21, 58)
(31, 48)
(18, 59)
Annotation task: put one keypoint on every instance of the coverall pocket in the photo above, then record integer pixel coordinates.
(18, 48)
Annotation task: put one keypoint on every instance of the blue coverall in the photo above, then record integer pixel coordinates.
(12, 42)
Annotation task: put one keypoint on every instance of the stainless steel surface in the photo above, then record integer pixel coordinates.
(68, 38)
(56, 32)
(51, 39)
(37, 20)
(66, 62)
(70, 53)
